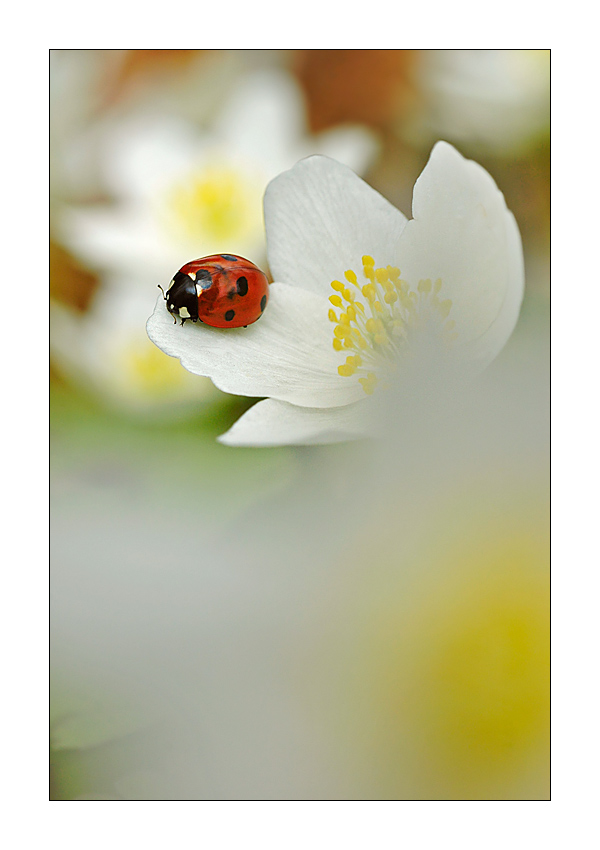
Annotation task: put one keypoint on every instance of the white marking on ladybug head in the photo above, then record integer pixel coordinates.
(192, 275)
(184, 313)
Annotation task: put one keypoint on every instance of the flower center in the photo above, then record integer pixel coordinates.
(146, 371)
(220, 205)
(382, 331)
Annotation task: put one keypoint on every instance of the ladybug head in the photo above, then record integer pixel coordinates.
(182, 297)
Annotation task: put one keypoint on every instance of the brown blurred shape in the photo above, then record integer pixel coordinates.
(367, 86)
(140, 66)
(70, 283)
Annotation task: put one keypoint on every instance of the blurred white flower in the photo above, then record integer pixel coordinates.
(498, 100)
(105, 351)
(183, 193)
(93, 91)
(362, 295)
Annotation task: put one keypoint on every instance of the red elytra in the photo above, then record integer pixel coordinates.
(222, 290)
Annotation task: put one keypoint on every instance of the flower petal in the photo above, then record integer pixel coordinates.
(486, 347)
(268, 105)
(463, 233)
(125, 239)
(321, 218)
(287, 354)
(146, 154)
(277, 423)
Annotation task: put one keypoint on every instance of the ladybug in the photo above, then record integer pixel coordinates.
(223, 291)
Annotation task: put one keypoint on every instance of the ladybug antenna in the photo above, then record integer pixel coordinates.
(163, 291)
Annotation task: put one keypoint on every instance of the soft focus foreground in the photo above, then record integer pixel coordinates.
(356, 621)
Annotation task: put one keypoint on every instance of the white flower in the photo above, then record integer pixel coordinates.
(91, 92)
(182, 192)
(105, 352)
(361, 297)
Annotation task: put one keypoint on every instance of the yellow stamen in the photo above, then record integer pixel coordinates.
(340, 331)
(394, 313)
(368, 291)
(369, 383)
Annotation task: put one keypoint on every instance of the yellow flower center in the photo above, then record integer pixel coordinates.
(148, 372)
(219, 205)
(377, 333)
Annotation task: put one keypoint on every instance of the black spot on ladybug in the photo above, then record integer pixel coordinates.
(204, 278)
(229, 315)
(242, 285)
(229, 257)
(263, 303)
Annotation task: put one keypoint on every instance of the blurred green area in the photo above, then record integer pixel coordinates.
(166, 456)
